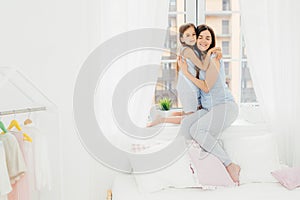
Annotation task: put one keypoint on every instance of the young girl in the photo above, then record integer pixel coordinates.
(187, 91)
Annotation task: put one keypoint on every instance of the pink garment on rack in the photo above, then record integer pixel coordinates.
(21, 189)
(41, 166)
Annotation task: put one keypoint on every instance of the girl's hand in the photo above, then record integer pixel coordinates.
(214, 50)
(182, 64)
(219, 55)
(217, 51)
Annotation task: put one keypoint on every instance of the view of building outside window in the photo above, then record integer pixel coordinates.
(224, 17)
(167, 80)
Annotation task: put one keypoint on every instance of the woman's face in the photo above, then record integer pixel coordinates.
(204, 40)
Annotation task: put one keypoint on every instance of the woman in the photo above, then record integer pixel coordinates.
(219, 108)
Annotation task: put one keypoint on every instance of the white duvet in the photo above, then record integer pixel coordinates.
(125, 188)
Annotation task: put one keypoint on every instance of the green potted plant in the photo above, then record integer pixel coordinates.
(165, 105)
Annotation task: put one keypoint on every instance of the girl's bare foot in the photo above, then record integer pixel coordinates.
(234, 172)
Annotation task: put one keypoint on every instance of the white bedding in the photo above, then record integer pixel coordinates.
(125, 188)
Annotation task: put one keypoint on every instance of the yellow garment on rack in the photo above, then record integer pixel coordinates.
(14, 123)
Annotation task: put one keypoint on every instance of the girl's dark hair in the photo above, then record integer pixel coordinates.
(183, 28)
(204, 27)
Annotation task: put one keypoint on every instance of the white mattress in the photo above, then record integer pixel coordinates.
(125, 188)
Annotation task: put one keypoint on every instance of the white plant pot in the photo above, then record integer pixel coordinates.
(164, 113)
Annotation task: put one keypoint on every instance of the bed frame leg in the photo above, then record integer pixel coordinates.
(109, 195)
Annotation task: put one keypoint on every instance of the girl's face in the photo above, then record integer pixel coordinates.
(204, 40)
(189, 36)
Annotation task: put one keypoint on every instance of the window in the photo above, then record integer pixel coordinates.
(225, 4)
(172, 6)
(225, 48)
(225, 27)
(167, 80)
(224, 17)
(247, 91)
(226, 65)
(244, 53)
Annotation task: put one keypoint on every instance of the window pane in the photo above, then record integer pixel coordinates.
(173, 5)
(225, 26)
(224, 17)
(227, 31)
(167, 80)
(247, 90)
(226, 5)
(232, 81)
(244, 53)
(225, 48)
(177, 5)
(227, 66)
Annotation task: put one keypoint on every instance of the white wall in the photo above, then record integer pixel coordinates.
(48, 41)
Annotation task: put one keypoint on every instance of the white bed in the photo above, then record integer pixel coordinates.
(125, 188)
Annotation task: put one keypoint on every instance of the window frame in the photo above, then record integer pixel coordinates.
(194, 11)
(201, 14)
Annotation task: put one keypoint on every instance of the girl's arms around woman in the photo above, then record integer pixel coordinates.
(190, 54)
(212, 73)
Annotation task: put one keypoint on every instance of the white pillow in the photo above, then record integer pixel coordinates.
(257, 155)
(179, 174)
(252, 114)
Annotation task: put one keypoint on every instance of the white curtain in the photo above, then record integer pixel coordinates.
(272, 36)
(120, 16)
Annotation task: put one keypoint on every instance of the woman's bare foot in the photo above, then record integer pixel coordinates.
(234, 172)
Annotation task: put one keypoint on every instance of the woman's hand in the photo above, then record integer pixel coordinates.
(182, 64)
(217, 51)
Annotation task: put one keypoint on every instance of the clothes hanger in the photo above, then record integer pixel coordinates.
(15, 123)
(28, 120)
(2, 127)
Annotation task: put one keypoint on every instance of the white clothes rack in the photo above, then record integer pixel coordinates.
(27, 110)
(19, 95)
